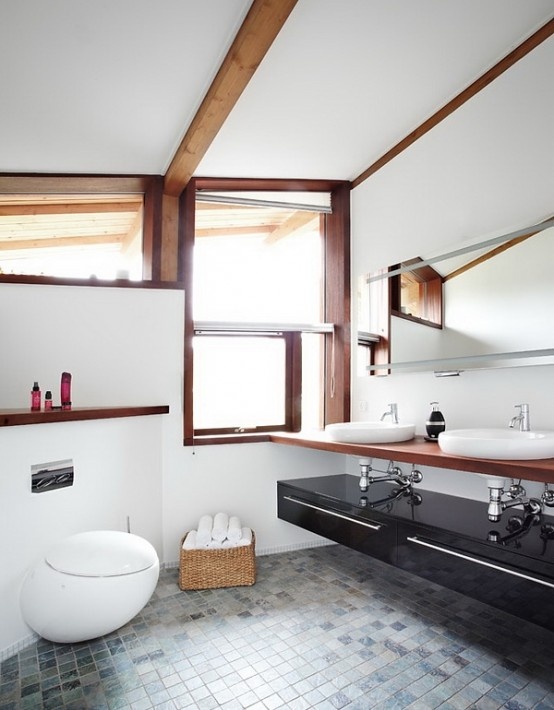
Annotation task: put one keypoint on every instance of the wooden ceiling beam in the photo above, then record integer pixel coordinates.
(255, 36)
(36, 209)
(46, 243)
(483, 81)
(223, 231)
(296, 222)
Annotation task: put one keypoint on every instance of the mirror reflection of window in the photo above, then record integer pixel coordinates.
(497, 294)
(417, 293)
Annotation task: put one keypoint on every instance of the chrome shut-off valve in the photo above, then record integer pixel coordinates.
(365, 468)
(516, 495)
(393, 473)
(547, 497)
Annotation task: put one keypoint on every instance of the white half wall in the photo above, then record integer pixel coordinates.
(123, 347)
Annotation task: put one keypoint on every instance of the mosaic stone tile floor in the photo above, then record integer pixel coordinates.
(323, 628)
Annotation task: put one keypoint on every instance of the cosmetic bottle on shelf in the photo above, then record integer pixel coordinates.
(65, 390)
(35, 398)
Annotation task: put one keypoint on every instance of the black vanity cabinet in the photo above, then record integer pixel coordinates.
(506, 577)
(445, 539)
(356, 526)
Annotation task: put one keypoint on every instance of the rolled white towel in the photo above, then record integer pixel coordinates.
(204, 532)
(246, 537)
(189, 542)
(215, 545)
(220, 527)
(234, 532)
(228, 543)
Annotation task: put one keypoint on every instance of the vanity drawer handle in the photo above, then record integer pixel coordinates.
(479, 562)
(373, 526)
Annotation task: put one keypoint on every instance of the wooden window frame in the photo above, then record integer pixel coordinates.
(293, 386)
(149, 186)
(430, 293)
(336, 234)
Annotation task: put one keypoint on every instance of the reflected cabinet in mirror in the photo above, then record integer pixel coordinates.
(489, 304)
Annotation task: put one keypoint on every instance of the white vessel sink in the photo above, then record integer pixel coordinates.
(504, 444)
(369, 432)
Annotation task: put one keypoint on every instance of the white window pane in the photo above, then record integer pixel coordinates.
(238, 382)
(312, 376)
(246, 279)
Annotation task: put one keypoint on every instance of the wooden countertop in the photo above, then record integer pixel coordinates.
(425, 453)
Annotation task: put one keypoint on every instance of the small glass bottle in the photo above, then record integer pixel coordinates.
(48, 401)
(35, 398)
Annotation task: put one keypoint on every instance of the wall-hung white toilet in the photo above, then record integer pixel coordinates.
(88, 585)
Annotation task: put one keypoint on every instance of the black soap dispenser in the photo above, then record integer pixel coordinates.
(435, 424)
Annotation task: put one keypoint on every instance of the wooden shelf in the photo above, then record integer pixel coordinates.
(426, 453)
(18, 417)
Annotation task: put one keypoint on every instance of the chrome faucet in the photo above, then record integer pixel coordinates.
(521, 419)
(517, 496)
(391, 412)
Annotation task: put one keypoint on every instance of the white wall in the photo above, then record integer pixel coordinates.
(241, 480)
(120, 352)
(123, 347)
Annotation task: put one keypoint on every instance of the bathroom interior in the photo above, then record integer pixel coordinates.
(479, 172)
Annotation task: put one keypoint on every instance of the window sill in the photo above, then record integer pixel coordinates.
(19, 417)
(106, 283)
(211, 440)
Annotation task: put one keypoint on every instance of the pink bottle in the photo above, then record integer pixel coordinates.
(35, 398)
(65, 390)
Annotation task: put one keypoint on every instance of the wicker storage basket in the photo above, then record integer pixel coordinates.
(213, 568)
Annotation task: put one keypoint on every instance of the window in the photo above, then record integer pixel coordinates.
(79, 227)
(260, 346)
(71, 236)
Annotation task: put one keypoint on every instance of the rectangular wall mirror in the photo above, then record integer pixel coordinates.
(497, 306)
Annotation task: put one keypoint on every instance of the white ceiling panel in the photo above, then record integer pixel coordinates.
(111, 87)
(344, 81)
(103, 86)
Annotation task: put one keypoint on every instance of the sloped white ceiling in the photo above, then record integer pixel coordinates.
(103, 86)
(344, 81)
(111, 87)
(483, 172)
